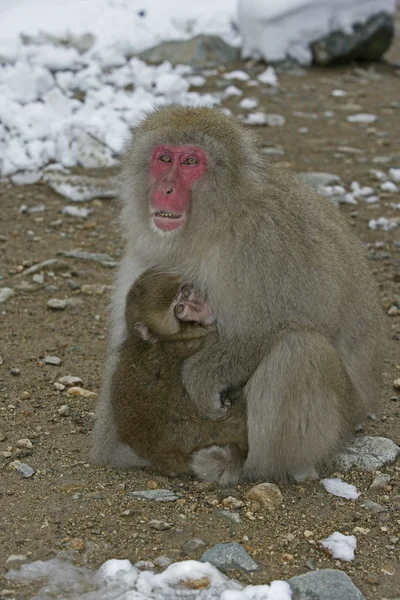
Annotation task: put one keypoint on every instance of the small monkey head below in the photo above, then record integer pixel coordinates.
(159, 308)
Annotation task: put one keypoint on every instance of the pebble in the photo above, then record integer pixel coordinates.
(95, 289)
(155, 495)
(52, 360)
(52, 264)
(3, 437)
(56, 304)
(78, 391)
(78, 544)
(233, 517)
(5, 294)
(64, 410)
(22, 468)
(396, 384)
(319, 179)
(231, 502)
(14, 561)
(59, 386)
(25, 395)
(193, 546)
(24, 443)
(230, 556)
(159, 525)
(268, 495)
(163, 561)
(380, 481)
(367, 453)
(69, 380)
(15, 372)
(374, 506)
(152, 485)
(324, 584)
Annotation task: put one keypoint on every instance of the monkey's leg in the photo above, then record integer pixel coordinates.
(191, 307)
(299, 404)
(107, 449)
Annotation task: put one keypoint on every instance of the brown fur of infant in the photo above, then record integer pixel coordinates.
(153, 412)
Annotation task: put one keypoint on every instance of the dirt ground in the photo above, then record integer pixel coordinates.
(69, 503)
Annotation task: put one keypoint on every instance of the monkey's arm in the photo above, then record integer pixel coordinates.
(220, 364)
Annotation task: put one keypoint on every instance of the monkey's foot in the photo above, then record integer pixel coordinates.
(221, 464)
(191, 307)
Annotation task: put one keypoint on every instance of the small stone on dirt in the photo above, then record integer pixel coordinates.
(231, 502)
(5, 294)
(193, 546)
(15, 372)
(59, 386)
(230, 556)
(78, 391)
(14, 561)
(70, 380)
(64, 410)
(268, 495)
(155, 495)
(56, 304)
(159, 525)
(52, 360)
(380, 481)
(24, 443)
(324, 584)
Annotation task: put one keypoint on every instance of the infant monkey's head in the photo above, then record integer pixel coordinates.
(161, 308)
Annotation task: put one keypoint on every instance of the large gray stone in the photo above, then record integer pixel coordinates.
(200, 51)
(326, 584)
(229, 556)
(367, 41)
(367, 453)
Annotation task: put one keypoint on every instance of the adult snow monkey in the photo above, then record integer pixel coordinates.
(298, 322)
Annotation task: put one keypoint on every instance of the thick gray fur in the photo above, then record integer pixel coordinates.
(299, 323)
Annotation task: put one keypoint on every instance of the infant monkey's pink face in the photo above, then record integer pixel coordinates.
(191, 307)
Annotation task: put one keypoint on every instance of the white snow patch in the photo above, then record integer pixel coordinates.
(232, 90)
(395, 175)
(269, 77)
(384, 224)
(362, 118)
(77, 211)
(280, 29)
(338, 487)
(389, 186)
(119, 579)
(248, 103)
(341, 546)
(338, 93)
(239, 75)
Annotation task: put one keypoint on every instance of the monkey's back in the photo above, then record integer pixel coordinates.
(154, 414)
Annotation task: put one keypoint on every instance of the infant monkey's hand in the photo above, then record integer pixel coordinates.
(191, 307)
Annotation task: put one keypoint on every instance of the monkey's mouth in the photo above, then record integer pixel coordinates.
(167, 221)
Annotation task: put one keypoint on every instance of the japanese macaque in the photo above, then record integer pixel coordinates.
(296, 313)
(167, 323)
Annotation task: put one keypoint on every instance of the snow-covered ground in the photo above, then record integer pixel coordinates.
(120, 580)
(280, 29)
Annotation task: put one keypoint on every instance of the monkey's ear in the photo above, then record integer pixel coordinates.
(145, 333)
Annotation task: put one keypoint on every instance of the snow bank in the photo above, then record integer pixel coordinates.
(57, 105)
(120, 580)
(280, 29)
(133, 25)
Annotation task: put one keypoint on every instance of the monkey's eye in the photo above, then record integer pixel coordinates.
(191, 161)
(165, 158)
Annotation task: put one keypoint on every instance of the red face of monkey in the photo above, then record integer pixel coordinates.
(174, 169)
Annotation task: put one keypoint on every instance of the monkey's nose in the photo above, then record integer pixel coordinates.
(169, 190)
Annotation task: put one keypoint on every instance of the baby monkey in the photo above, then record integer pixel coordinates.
(167, 323)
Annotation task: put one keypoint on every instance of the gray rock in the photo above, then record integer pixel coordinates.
(155, 495)
(200, 51)
(193, 546)
(52, 264)
(159, 525)
(319, 179)
(70, 380)
(163, 561)
(104, 259)
(380, 481)
(79, 188)
(374, 506)
(230, 556)
(326, 584)
(5, 294)
(367, 453)
(57, 304)
(64, 410)
(52, 360)
(233, 517)
(367, 41)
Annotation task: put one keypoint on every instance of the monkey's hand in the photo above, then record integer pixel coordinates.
(217, 367)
